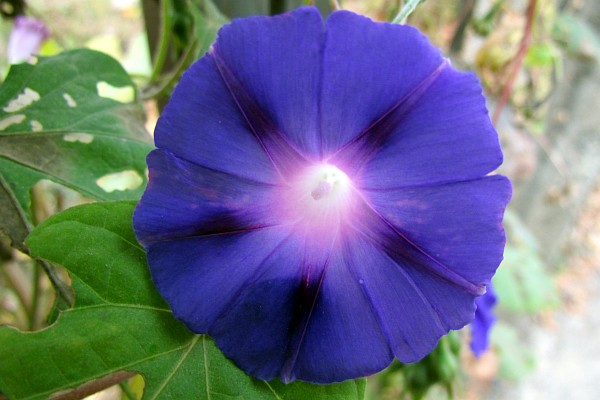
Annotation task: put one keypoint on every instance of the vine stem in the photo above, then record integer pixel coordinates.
(518, 61)
(406, 10)
(92, 387)
(36, 281)
(163, 44)
(276, 7)
(163, 86)
(63, 290)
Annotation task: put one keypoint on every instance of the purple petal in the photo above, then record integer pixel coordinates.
(319, 201)
(362, 148)
(483, 322)
(25, 39)
(371, 224)
(368, 68)
(278, 59)
(446, 136)
(459, 225)
(263, 335)
(343, 338)
(202, 124)
(235, 278)
(184, 199)
(283, 156)
(412, 305)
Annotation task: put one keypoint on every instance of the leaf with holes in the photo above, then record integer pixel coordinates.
(71, 119)
(120, 323)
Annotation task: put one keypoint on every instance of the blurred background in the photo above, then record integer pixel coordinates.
(538, 61)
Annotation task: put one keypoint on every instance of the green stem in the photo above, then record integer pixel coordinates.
(163, 44)
(161, 88)
(406, 10)
(63, 290)
(35, 296)
(276, 7)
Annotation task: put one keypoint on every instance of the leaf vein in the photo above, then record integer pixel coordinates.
(176, 367)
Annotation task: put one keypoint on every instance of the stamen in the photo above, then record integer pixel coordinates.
(320, 195)
(322, 190)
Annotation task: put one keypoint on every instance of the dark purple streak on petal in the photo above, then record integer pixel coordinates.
(316, 260)
(202, 124)
(274, 307)
(384, 234)
(278, 61)
(251, 326)
(367, 69)
(343, 338)
(412, 317)
(212, 201)
(223, 268)
(446, 137)
(460, 224)
(285, 158)
(353, 155)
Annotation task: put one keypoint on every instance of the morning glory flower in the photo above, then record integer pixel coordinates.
(319, 200)
(483, 322)
(25, 39)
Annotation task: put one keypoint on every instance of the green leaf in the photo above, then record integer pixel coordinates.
(69, 119)
(120, 323)
(541, 55)
(577, 36)
(516, 359)
(522, 282)
(207, 21)
(14, 197)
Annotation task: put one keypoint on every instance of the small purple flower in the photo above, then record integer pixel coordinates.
(483, 322)
(319, 202)
(25, 39)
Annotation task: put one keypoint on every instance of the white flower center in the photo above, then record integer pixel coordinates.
(321, 195)
(328, 181)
